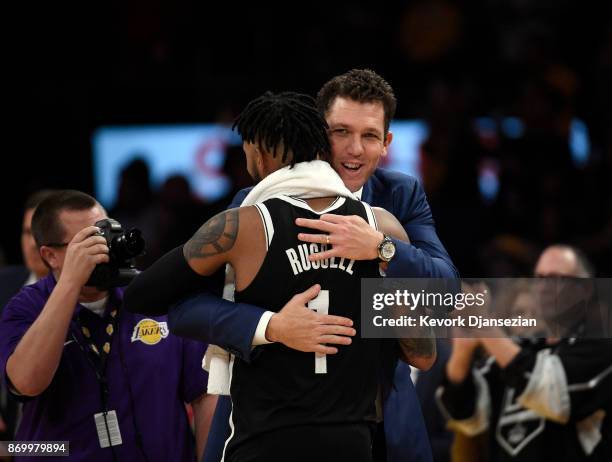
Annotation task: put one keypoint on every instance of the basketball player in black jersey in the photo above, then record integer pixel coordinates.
(290, 405)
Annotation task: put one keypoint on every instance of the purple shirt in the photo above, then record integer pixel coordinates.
(161, 370)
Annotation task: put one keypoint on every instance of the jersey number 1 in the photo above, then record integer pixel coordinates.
(320, 304)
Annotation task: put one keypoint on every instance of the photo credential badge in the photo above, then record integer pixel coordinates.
(108, 429)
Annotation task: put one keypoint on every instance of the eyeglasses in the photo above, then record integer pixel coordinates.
(56, 244)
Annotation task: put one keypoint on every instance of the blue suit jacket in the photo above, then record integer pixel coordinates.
(232, 325)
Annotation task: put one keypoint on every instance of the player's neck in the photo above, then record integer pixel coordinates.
(320, 203)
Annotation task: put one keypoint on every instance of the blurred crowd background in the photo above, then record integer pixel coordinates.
(499, 192)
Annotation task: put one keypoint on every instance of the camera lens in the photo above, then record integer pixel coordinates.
(129, 245)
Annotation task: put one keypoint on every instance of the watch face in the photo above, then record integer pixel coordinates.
(388, 250)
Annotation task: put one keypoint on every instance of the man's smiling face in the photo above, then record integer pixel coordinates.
(358, 140)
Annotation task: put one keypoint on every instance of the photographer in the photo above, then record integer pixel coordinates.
(111, 383)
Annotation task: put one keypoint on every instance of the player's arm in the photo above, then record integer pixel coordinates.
(207, 317)
(212, 245)
(418, 351)
(178, 274)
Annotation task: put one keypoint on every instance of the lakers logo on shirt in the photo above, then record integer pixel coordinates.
(149, 331)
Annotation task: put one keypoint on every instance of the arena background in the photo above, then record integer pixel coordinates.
(516, 96)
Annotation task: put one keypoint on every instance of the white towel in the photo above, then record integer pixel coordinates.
(216, 362)
(305, 180)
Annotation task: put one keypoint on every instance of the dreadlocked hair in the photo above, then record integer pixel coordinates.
(286, 120)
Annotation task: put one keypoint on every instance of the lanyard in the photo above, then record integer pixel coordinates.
(97, 355)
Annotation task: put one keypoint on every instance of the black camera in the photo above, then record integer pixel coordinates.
(124, 247)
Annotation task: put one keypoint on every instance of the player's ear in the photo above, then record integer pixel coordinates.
(259, 157)
(263, 162)
(386, 142)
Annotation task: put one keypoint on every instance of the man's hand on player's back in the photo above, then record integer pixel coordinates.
(300, 328)
(349, 235)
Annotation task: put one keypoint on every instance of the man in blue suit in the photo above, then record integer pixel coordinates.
(358, 106)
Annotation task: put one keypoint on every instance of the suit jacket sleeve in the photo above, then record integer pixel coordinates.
(208, 318)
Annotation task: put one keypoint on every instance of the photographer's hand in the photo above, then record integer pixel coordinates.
(86, 250)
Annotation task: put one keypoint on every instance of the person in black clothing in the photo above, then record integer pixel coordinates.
(289, 405)
(540, 399)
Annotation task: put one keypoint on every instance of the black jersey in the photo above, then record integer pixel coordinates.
(281, 387)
